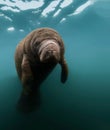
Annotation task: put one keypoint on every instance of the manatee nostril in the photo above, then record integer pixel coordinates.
(50, 52)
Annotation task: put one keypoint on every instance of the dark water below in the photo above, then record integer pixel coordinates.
(83, 102)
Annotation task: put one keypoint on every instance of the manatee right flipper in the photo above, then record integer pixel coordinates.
(27, 77)
(64, 71)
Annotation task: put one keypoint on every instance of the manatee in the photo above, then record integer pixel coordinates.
(37, 55)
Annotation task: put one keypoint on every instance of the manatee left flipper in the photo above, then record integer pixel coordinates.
(64, 71)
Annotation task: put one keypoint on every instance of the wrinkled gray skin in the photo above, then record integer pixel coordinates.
(36, 56)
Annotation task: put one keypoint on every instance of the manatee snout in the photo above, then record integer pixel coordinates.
(49, 51)
(50, 55)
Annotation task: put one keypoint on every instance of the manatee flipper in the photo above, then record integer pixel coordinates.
(64, 71)
(27, 75)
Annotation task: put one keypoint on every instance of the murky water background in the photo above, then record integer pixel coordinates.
(83, 102)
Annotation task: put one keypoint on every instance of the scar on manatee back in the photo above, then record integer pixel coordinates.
(37, 55)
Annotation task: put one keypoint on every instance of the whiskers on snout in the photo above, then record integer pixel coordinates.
(50, 52)
(50, 56)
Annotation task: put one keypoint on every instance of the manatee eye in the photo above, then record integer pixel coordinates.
(36, 47)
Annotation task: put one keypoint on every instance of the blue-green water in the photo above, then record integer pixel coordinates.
(83, 102)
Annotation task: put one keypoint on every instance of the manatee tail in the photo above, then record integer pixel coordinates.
(29, 103)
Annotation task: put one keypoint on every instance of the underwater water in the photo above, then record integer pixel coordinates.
(83, 102)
